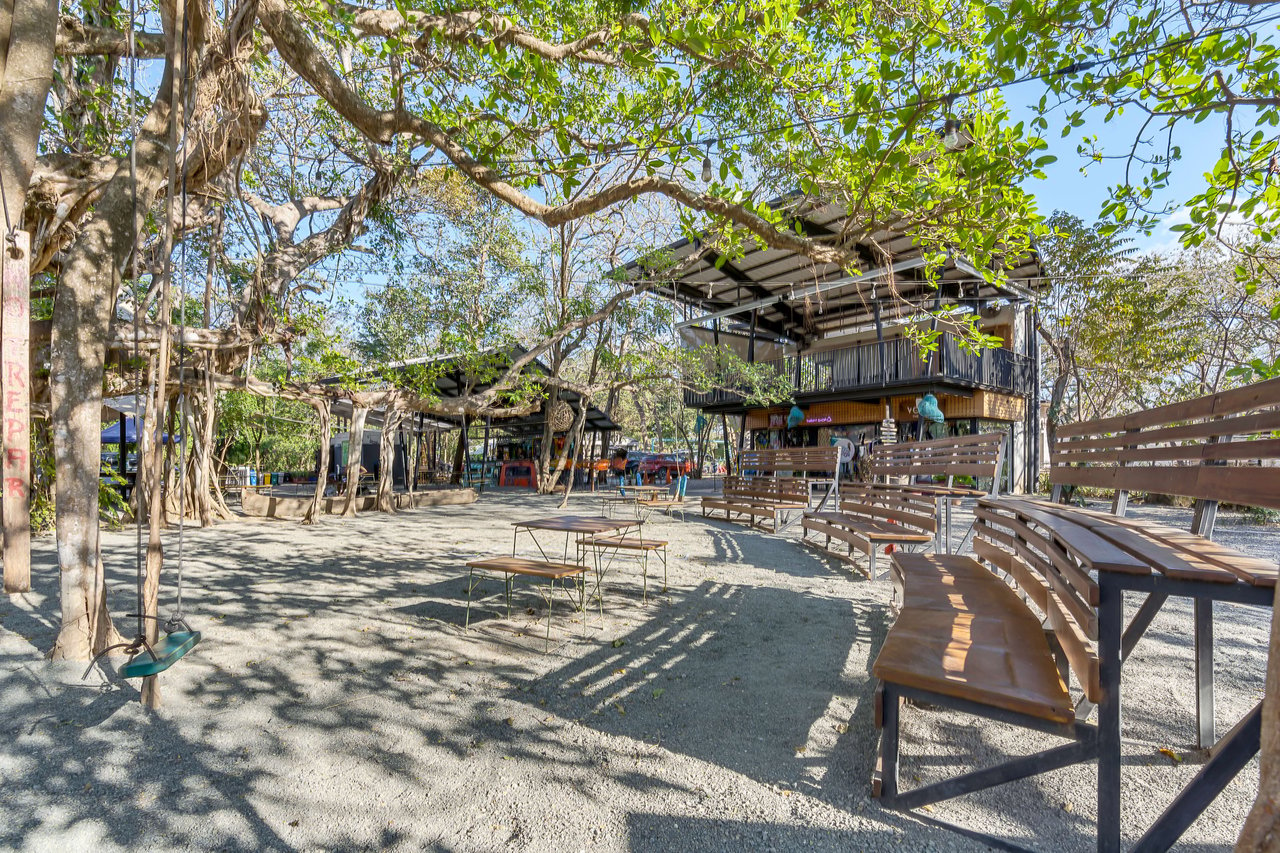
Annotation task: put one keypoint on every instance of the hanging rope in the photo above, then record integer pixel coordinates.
(138, 493)
(183, 397)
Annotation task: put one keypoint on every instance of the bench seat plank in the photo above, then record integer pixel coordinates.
(1256, 571)
(525, 566)
(626, 544)
(869, 529)
(1076, 535)
(1178, 554)
(985, 646)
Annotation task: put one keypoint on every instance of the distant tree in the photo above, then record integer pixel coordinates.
(1114, 336)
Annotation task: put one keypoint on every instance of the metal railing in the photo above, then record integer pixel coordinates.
(893, 362)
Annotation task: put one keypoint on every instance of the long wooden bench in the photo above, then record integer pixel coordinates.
(871, 518)
(819, 467)
(894, 508)
(759, 499)
(933, 467)
(966, 636)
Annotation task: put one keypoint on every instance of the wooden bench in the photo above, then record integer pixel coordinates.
(817, 466)
(871, 518)
(932, 468)
(1031, 629)
(643, 547)
(511, 567)
(760, 499)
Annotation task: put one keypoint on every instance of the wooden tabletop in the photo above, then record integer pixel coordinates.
(578, 524)
(1109, 543)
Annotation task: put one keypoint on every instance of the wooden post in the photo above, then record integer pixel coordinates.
(15, 388)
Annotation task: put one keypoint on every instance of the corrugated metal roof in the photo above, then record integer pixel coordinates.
(781, 277)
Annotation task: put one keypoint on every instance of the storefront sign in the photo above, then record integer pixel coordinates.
(817, 419)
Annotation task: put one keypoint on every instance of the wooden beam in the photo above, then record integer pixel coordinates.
(794, 320)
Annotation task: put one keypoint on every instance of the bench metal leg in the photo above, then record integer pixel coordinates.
(1204, 672)
(872, 553)
(889, 747)
(471, 573)
(551, 595)
(644, 576)
(1010, 771)
(1110, 631)
(1141, 622)
(940, 543)
(1237, 750)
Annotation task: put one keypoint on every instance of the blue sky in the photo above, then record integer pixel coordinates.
(1083, 193)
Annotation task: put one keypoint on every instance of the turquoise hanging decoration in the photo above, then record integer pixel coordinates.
(929, 409)
(795, 417)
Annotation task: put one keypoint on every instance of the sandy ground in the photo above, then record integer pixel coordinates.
(336, 703)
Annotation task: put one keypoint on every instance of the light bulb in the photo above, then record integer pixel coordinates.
(706, 169)
(951, 135)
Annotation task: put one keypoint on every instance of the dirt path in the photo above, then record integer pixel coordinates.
(336, 703)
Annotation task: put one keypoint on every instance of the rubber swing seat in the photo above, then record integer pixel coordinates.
(169, 650)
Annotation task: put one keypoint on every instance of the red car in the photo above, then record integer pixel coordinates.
(663, 468)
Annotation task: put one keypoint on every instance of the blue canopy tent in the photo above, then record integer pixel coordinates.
(111, 434)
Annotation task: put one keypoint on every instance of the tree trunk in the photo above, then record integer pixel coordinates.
(460, 453)
(27, 31)
(546, 481)
(322, 474)
(83, 306)
(355, 455)
(1261, 833)
(387, 460)
(571, 445)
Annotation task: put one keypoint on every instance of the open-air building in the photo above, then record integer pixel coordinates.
(850, 344)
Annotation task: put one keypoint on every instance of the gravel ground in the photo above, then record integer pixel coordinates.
(336, 703)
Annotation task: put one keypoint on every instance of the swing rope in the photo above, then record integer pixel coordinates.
(179, 638)
(177, 618)
(138, 492)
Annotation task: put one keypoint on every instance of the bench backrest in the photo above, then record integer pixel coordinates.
(1221, 447)
(976, 456)
(901, 507)
(1065, 595)
(797, 460)
(787, 489)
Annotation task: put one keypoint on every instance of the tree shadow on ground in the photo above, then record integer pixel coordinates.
(337, 702)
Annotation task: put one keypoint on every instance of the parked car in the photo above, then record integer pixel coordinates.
(662, 468)
(634, 458)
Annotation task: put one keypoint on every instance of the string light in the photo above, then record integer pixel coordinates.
(706, 166)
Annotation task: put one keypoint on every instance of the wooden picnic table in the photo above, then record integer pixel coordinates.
(570, 524)
(1125, 555)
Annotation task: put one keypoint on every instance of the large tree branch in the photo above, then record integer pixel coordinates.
(479, 28)
(297, 49)
(76, 38)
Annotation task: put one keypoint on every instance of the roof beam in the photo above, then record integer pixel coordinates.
(737, 276)
(812, 290)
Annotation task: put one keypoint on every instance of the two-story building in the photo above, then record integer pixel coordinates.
(852, 344)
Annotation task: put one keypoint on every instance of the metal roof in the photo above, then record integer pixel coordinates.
(795, 297)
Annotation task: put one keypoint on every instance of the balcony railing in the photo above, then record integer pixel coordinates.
(868, 366)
